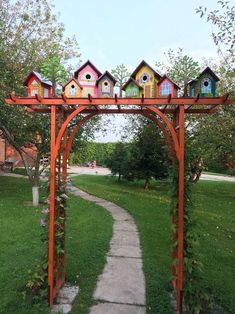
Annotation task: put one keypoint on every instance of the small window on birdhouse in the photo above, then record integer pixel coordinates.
(193, 92)
(165, 89)
(206, 86)
(128, 92)
(72, 90)
(144, 78)
(106, 88)
(33, 92)
(45, 92)
(134, 92)
(34, 82)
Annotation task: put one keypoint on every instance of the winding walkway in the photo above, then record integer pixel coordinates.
(120, 288)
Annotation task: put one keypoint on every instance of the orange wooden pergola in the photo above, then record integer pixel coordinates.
(167, 113)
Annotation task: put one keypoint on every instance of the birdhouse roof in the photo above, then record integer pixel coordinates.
(70, 80)
(166, 77)
(207, 70)
(39, 77)
(109, 75)
(144, 63)
(88, 62)
(133, 81)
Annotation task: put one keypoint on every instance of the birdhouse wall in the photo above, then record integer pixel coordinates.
(165, 88)
(105, 87)
(198, 88)
(132, 90)
(145, 77)
(34, 86)
(88, 84)
(72, 92)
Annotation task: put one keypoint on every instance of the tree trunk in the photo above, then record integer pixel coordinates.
(146, 184)
(35, 194)
(119, 177)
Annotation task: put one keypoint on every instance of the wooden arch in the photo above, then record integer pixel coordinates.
(63, 110)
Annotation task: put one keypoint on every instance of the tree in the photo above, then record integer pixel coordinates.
(53, 70)
(223, 20)
(121, 74)
(148, 155)
(29, 32)
(180, 68)
(118, 162)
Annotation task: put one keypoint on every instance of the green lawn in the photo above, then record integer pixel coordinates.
(89, 229)
(214, 204)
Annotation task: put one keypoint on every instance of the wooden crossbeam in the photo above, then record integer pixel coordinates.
(169, 98)
(197, 97)
(38, 97)
(64, 97)
(90, 98)
(130, 111)
(57, 101)
(225, 97)
(142, 98)
(13, 97)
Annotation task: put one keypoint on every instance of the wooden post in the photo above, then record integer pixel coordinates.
(180, 210)
(52, 208)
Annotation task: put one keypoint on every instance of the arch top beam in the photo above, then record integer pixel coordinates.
(170, 127)
(64, 127)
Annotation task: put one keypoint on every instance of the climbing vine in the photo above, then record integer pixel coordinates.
(195, 297)
(37, 286)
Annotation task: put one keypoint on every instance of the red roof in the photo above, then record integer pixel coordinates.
(143, 63)
(84, 65)
(72, 79)
(166, 77)
(129, 81)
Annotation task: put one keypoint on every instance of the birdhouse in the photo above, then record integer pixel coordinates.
(148, 78)
(105, 85)
(132, 88)
(87, 75)
(36, 84)
(166, 86)
(204, 84)
(72, 88)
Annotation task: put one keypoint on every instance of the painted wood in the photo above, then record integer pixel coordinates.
(106, 85)
(132, 89)
(72, 89)
(87, 76)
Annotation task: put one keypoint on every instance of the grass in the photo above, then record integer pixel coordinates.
(214, 204)
(89, 228)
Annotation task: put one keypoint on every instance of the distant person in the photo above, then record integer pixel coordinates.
(93, 164)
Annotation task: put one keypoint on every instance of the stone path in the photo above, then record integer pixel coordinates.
(120, 288)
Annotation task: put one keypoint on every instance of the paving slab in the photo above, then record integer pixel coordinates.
(120, 288)
(125, 226)
(125, 238)
(124, 251)
(122, 281)
(112, 308)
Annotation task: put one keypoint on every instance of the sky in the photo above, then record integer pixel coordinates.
(112, 32)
